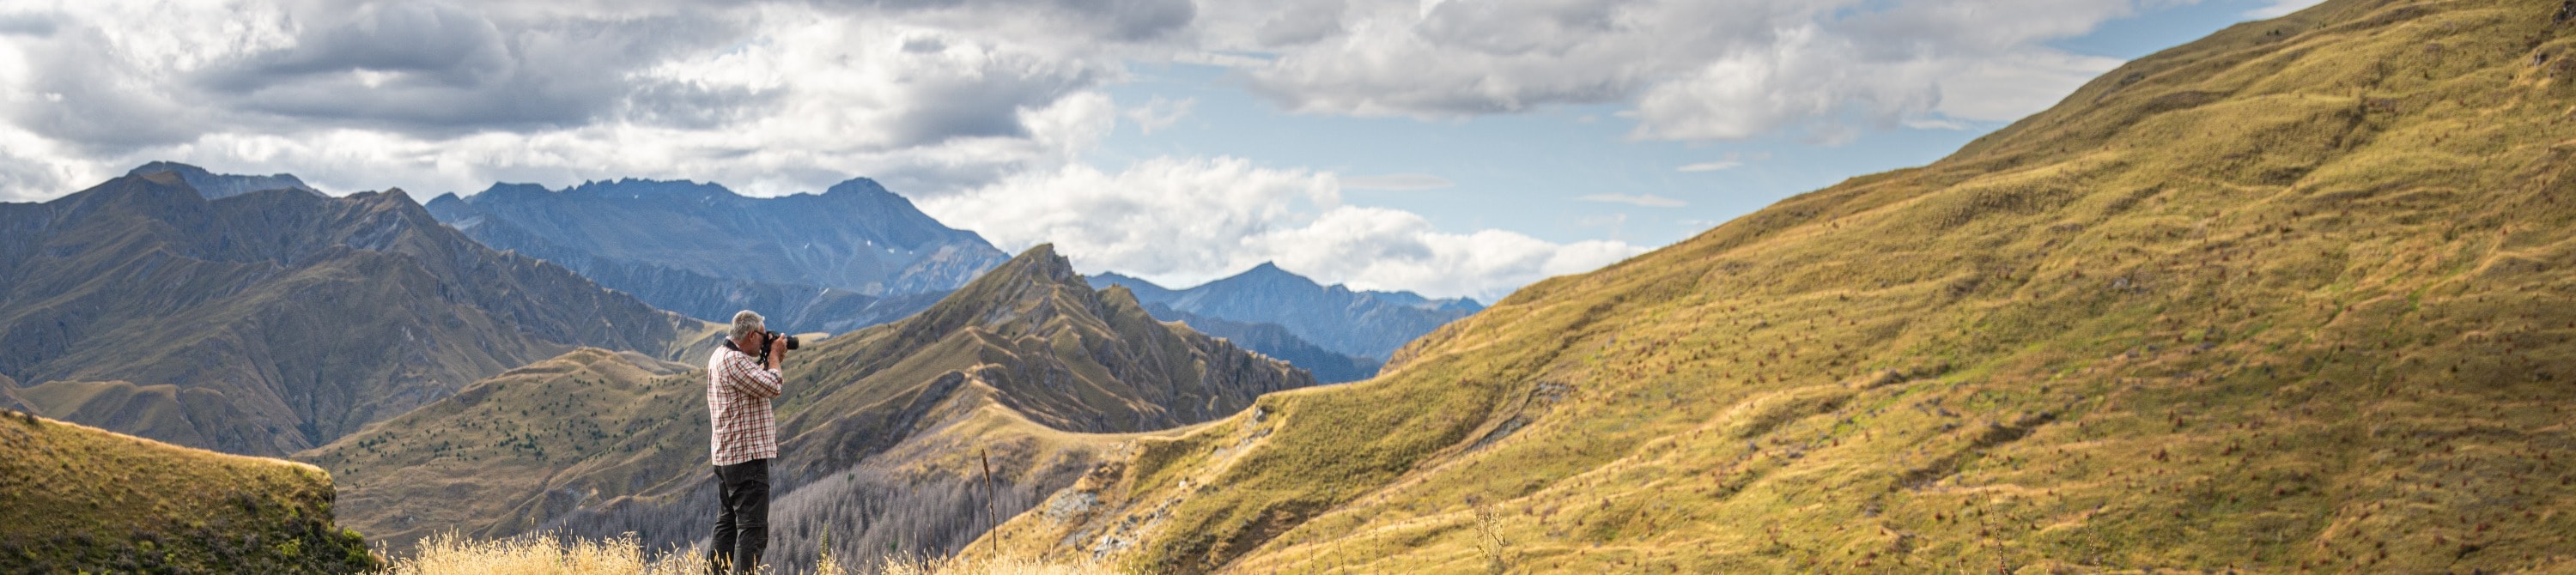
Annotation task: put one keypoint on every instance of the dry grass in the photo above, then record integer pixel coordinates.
(77, 498)
(2296, 298)
(448, 553)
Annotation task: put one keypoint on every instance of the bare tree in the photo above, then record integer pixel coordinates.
(1489, 536)
(873, 517)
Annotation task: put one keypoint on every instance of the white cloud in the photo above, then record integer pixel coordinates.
(1160, 113)
(1693, 69)
(1396, 182)
(1183, 221)
(799, 94)
(1161, 216)
(1647, 200)
(769, 98)
(2009, 87)
(2280, 8)
(1711, 166)
(1377, 248)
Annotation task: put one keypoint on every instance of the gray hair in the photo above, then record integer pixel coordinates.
(745, 322)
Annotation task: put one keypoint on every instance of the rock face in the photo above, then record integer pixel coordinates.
(143, 302)
(1365, 324)
(2296, 297)
(1007, 365)
(840, 260)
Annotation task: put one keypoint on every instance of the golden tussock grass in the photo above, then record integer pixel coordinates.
(449, 553)
(2294, 298)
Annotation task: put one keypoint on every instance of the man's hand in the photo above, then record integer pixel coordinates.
(777, 350)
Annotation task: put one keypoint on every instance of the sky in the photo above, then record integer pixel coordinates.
(1448, 147)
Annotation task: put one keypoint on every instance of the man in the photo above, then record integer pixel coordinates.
(744, 439)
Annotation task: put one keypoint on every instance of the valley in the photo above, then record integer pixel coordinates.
(2294, 297)
(885, 432)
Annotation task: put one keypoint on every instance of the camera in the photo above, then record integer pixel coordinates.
(766, 337)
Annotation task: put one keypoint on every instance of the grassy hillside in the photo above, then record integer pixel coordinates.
(480, 461)
(2292, 298)
(78, 499)
(885, 431)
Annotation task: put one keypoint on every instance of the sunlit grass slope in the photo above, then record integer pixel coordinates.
(480, 460)
(74, 498)
(2297, 297)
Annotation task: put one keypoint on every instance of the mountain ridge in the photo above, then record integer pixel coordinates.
(794, 308)
(1362, 324)
(693, 237)
(219, 186)
(1272, 340)
(280, 304)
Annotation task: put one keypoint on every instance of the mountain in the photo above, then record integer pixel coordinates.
(85, 500)
(2291, 298)
(836, 261)
(1368, 324)
(881, 428)
(1275, 341)
(268, 322)
(219, 186)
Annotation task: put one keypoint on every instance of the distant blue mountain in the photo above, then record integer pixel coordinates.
(1368, 324)
(1276, 342)
(853, 256)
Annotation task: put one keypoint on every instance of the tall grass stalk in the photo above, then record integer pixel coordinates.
(449, 553)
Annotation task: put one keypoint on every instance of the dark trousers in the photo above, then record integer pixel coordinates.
(742, 518)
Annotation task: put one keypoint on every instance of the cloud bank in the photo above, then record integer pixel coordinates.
(984, 109)
(1181, 222)
(1691, 69)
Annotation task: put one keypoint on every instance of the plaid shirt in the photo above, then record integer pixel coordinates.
(738, 393)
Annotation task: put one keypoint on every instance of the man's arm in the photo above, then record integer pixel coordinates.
(748, 378)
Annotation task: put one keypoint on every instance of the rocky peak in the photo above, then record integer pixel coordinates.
(218, 186)
(1009, 291)
(857, 187)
